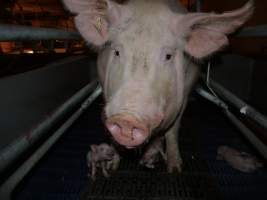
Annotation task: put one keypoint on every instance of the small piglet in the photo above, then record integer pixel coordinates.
(102, 156)
(241, 161)
(153, 154)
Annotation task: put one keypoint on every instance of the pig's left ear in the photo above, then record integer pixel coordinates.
(94, 18)
(205, 33)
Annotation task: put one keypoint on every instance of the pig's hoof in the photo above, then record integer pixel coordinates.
(175, 166)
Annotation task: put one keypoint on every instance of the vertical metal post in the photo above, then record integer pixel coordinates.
(199, 5)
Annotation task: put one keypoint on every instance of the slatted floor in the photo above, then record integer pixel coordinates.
(62, 173)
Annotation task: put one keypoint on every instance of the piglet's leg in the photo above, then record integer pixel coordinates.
(93, 170)
(109, 165)
(163, 154)
(115, 161)
(104, 168)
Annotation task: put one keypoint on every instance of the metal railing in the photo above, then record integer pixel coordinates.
(243, 107)
(19, 33)
(255, 31)
(217, 93)
(14, 150)
(9, 154)
(9, 185)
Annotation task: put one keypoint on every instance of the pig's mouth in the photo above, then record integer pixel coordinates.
(127, 130)
(110, 156)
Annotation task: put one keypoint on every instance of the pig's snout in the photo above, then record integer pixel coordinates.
(127, 130)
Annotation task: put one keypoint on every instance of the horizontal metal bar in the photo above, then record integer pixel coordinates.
(18, 33)
(9, 154)
(255, 31)
(257, 143)
(7, 188)
(244, 108)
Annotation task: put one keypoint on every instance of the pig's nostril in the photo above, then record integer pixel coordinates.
(114, 129)
(127, 130)
(137, 134)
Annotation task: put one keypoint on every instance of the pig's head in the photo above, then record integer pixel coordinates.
(143, 57)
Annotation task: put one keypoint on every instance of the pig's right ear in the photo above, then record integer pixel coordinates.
(94, 17)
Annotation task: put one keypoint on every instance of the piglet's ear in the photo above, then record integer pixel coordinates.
(94, 17)
(205, 33)
(93, 148)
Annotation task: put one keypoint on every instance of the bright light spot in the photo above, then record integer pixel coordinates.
(28, 51)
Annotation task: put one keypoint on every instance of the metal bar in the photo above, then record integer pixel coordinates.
(7, 188)
(244, 108)
(17, 33)
(255, 31)
(258, 144)
(199, 5)
(9, 154)
(211, 97)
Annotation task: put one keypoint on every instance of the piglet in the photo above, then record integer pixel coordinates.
(241, 161)
(102, 156)
(153, 154)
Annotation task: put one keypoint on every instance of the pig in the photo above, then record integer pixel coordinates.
(102, 156)
(148, 55)
(241, 161)
(154, 152)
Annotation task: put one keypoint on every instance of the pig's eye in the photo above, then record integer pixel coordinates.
(117, 53)
(168, 57)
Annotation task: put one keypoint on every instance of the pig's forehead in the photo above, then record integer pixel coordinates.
(149, 27)
(149, 34)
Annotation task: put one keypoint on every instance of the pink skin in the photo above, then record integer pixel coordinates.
(145, 74)
(101, 156)
(241, 161)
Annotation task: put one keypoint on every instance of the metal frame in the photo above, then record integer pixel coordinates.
(10, 184)
(257, 143)
(18, 33)
(255, 31)
(244, 108)
(14, 150)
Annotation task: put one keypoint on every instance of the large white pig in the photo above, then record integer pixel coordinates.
(147, 50)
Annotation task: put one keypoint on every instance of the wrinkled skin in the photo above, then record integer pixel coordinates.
(241, 161)
(102, 156)
(145, 62)
(153, 153)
